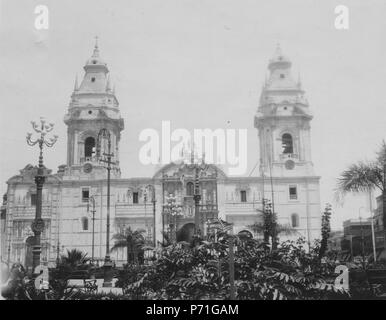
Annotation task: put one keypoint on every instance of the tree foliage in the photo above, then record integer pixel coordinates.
(365, 177)
(184, 272)
(132, 240)
(326, 229)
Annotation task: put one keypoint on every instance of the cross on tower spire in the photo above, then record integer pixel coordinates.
(96, 48)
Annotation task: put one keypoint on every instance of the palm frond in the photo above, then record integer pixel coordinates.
(118, 237)
(381, 154)
(359, 177)
(119, 244)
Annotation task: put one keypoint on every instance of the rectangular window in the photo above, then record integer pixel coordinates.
(243, 196)
(135, 197)
(85, 194)
(33, 199)
(293, 193)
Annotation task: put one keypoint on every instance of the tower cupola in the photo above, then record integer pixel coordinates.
(93, 106)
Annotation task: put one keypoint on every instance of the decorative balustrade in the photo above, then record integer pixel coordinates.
(28, 212)
(94, 159)
(88, 159)
(292, 156)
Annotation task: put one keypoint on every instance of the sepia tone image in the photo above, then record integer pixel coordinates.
(193, 150)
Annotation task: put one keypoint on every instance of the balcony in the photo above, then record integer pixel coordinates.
(94, 159)
(126, 210)
(286, 156)
(88, 159)
(28, 212)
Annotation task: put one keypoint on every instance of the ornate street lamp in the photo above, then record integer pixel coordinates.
(173, 210)
(104, 134)
(152, 188)
(37, 226)
(199, 168)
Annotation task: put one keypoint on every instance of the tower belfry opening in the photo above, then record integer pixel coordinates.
(287, 143)
(89, 147)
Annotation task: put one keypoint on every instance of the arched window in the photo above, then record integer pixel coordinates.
(287, 143)
(84, 223)
(190, 189)
(89, 145)
(294, 220)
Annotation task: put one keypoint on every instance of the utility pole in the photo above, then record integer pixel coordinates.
(372, 226)
(150, 186)
(363, 244)
(92, 200)
(105, 134)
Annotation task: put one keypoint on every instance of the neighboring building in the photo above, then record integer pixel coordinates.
(283, 123)
(335, 241)
(357, 238)
(3, 231)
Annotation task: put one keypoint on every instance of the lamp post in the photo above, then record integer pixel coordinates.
(37, 225)
(173, 210)
(104, 134)
(152, 188)
(92, 200)
(198, 169)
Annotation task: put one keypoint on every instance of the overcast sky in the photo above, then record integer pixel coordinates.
(199, 64)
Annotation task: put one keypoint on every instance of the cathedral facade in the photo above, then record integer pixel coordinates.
(74, 204)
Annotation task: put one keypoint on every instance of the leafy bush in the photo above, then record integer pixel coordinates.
(202, 272)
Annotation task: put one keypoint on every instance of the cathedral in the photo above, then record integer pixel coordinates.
(74, 204)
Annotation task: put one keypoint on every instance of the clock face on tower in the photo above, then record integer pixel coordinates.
(87, 168)
(289, 164)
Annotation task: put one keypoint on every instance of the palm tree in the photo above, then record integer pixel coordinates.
(365, 177)
(74, 258)
(133, 241)
(259, 228)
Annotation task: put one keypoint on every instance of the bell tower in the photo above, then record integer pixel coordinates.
(93, 106)
(283, 123)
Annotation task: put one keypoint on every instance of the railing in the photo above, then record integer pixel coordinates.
(28, 212)
(129, 210)
(94, 159)
(284, 156)
(88, 159)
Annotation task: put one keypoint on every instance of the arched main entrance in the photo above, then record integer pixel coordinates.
(186, 233)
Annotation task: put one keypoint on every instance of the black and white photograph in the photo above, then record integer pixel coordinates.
(189, 155)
